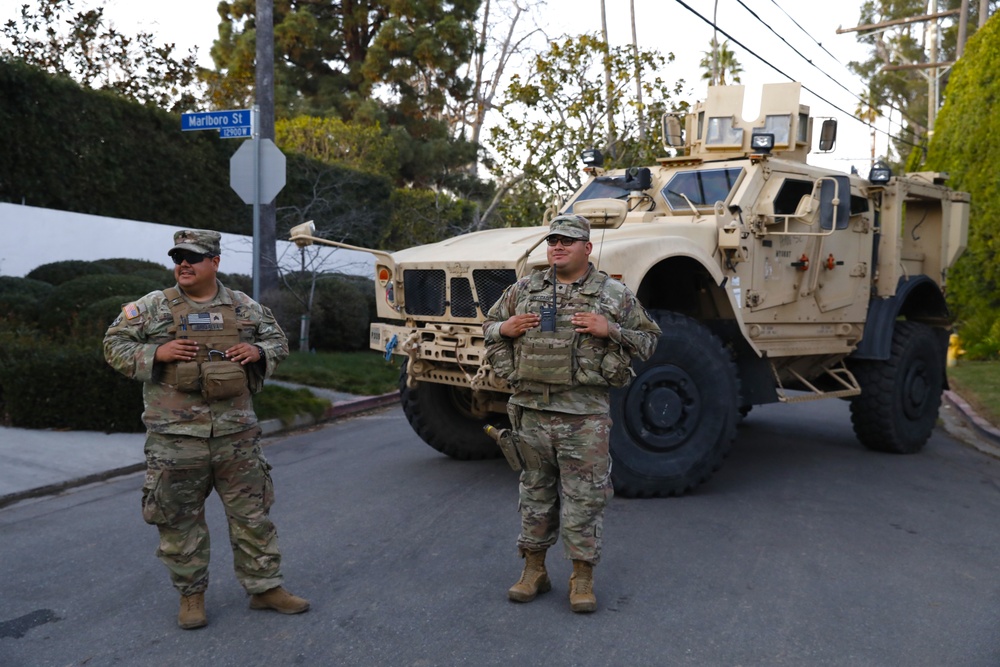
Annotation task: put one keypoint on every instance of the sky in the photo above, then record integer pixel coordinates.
(672, 26)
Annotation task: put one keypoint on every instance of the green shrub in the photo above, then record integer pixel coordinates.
(62, 309)
(95, 319)
(341, 313)
(275, 402)
(71, 387)
(57, 273)
(20, 299)
(980, 336)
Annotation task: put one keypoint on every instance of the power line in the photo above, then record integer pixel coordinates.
(790, 78)
(887, 103)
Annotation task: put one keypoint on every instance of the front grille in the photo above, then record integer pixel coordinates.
(462, 303)
(490, 284)
(424, 290)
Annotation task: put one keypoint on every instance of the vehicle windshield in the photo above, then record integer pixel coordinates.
(598, 190)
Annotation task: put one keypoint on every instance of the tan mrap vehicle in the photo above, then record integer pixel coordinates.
(772, 280)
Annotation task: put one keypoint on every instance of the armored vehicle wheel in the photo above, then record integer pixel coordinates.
(900, 397)
(440, 415)
(675, 423)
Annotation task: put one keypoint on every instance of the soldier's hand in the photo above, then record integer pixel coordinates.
(593, 323)
(515, 325)
(244, 353)
(176, 350)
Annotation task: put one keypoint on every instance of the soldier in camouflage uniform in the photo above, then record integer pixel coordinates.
(200, 350)
(563, 337)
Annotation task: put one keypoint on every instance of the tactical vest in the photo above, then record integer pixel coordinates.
(554, 361)
(214, 329)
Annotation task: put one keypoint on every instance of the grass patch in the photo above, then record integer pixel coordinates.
(362, 373)
(274, 402)
(978, 382)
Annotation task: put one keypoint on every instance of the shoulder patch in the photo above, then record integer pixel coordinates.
(133, 310)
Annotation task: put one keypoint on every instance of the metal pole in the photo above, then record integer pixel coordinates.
(255, 112)
(963, 29)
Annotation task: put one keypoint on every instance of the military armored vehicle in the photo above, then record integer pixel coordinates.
(773, 281)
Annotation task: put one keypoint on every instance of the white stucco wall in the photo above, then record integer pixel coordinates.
(30, 237)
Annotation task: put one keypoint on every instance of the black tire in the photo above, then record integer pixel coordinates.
(440, 415)
(675, 423)
(900, 397)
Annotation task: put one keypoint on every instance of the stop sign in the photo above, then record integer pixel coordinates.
(272, 171)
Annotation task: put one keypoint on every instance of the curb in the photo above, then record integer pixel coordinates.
(334, 412)
(268, 427)
(978, 424)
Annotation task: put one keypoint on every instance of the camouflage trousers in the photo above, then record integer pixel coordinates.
(181, 472)
(567, 495)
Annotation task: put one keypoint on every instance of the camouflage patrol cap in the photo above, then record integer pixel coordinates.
(202, 241)
(571, 226)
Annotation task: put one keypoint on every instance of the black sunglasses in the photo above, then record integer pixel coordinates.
(565, 241)
(190, 257)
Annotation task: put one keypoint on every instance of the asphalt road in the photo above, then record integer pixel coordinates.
(805, 549)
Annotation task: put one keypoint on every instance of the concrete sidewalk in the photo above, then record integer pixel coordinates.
(36, 463)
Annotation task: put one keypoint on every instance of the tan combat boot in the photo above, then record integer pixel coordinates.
(280, 601)
(534, 579)
(192, 613)
(581, 588)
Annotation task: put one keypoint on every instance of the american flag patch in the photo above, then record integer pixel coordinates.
(205, 321)
(131, 311)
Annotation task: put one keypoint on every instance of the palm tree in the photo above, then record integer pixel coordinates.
(869, 110)
(722, 60)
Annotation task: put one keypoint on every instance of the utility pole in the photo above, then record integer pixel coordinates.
(715, 44)
(638, 77)
(264, 237)
(963, 29)
(932, 80)
(984, 10)
(937, 68)
(608, 91)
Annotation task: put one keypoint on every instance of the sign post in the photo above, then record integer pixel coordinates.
(256, 169)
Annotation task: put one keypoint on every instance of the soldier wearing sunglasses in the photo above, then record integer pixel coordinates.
(201, 349)
(563, 337)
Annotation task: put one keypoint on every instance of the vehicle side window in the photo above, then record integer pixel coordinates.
(701, 188)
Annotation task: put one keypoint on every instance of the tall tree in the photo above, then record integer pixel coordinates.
(395, 62)
(906, 44)
(85, 46)
(560, 109)
(966, 140)
(719, 61)
(501, 39)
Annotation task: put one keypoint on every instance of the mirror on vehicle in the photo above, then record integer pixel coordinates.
(671, 128)
(828, 135)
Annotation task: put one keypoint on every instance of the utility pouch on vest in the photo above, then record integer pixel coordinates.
(187, 377)
(222, 379)
(616, 366)
(546, 357)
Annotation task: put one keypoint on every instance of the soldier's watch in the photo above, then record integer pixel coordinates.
(260, 351)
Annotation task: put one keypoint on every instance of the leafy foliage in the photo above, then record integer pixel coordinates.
(387, 63)
(561, 108)
(966, 138)
(85, 47)
(906, 90)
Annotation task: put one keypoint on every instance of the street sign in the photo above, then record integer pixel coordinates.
(272, 171)
(229, 124)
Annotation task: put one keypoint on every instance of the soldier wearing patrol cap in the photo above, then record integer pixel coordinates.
(201, 349)
(563, 337)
